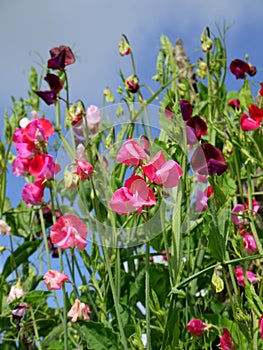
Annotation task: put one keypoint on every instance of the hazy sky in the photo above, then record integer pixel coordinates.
(93, 28)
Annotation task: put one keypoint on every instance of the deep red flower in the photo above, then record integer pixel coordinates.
(208, 159)
(196, 327)
(226, 341)
(132, 84)
(261, 326)
(239, 68)
(235, 103)
(261, 89)
(186, 109)
(55, 84)
(42, 166)
(198, 127)
(60, 57)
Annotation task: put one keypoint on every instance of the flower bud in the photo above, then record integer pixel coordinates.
(124, 47)
(132, 84)
(206, 41)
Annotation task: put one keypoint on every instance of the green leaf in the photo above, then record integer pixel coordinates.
(245, 95)
(99, 337)
(19, 256)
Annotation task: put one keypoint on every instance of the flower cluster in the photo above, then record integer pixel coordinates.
(30, 142)
(136, 192)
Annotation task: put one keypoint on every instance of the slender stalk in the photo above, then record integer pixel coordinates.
(65, 324)
(147, 296)
(35, 330)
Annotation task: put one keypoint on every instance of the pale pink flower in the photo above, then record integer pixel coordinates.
(16, 292)
(4, 228)
(83, 169)
(202, 198)
(93, 118)
(32, 193)
(54, 279)
(131, 153)
(79, 311)
(226, 341)
(132, 197)
(69, 232)
(162, 172)
(196, 327)
(252, 277)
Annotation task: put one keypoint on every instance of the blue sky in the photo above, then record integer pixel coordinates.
(93, 28)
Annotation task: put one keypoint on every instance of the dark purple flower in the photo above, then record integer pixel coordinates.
(198, 127)
(186, 109)
(239, 68)
(60, 57)
(55, 84)
(208, 160)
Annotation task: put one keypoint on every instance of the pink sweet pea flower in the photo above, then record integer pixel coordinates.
(16, 292)
(240, 208)
(226, 341)
(26, 149)
(32, 193)
(54, 279)
(131, 153)
(162, 172)
(249, 243)
(93, 118)
(132, 197)
(252, 277)
(69, 232)
(20, 166)
(196, 327)
(261, 326)
(83, 169)
(79, 311)
(38, 130)
(235, 103)
(247, 123)
(202, 198)
(42, 166)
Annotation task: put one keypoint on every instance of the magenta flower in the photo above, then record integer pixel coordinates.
(260, 324)
(83, 169)
(55, 84)
(208, 160)
(239, 68)
(226, 341)
(42, 166)
(162, 172)
(131, 153)
(38, 130)
(132, 197)
(249, 242)
(60, 57)
(69, 232)
(252, 277)
(196, 327)
(253, 121)
(32, 193)
(239, 210)
(20, 166)
(54, 279)
(79, 311)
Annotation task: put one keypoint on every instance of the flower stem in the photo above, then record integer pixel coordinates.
(65, 325)
(147, 295)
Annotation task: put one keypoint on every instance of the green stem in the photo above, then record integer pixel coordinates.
(147, 295)
(43, 228)
(35, 330)
(65, 324)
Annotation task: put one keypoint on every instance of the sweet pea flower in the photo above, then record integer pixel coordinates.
(93, 118)
(20, 166)
(239, 68)
(42, 166)
(195, 128)
(239, 210)
(54, 279)
(69, 232)
(260, 324)
(253, 121)
(202, 198)
(131, 153)
(186, 109)
(226, 341)
(235, 103)
(38, 130)
(4, 228)
(252, 277)
(79, 311)
(249, 242)
(208, 160)
(16, 292)
(83, 169)
(55, 84)
(196, 327)
(162, 172)
(32, 193)
(61, 57)
(132, 197)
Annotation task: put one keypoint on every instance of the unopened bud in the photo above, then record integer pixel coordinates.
(132, 84)
(124, 47)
